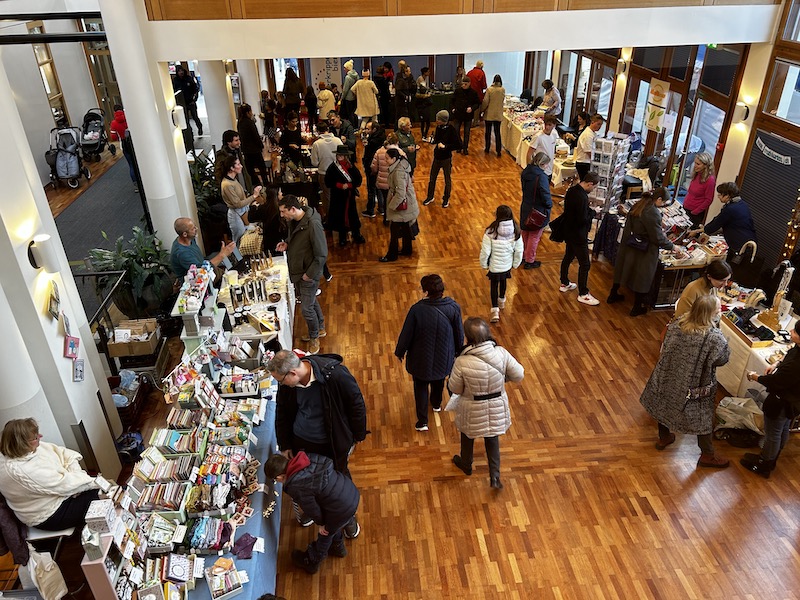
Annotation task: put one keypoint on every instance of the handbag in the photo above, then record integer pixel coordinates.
(46, 575)
(638, 242)
(252, 242)
(535, 219)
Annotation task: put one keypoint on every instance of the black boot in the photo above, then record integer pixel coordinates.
(760, 466)
(614, 295)
(301, 559)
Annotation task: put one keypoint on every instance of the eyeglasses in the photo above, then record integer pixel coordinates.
(282, 379)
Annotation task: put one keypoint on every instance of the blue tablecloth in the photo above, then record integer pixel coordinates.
(261, 568)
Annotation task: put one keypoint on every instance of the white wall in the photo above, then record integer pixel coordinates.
(502, 32)
(26, 82)
(30, 98)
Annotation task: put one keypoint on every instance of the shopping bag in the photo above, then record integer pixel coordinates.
(740, 413)
(46, 575)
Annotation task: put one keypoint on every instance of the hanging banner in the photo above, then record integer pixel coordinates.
(771, 154)
(328, 70)
(656, 105)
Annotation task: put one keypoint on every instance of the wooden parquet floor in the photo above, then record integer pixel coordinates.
(590, 509)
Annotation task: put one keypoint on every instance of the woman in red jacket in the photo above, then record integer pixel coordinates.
(119, 131)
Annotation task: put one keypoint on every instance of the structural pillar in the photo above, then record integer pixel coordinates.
(217, 94)
(153, 134)
(251, 88)
(36, 380)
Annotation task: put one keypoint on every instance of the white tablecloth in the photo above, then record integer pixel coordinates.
(561, 173)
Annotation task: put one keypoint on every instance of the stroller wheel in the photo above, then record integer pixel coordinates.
(73, 182)
(97, 158)
(87, 173)
(113, 149)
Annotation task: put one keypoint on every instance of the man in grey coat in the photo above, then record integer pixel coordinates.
(306, 253)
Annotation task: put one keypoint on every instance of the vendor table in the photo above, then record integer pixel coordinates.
(562, 172)
(511, 136)
(261, 568)
(744, 358)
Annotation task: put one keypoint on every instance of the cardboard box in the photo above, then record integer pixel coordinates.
(136, 348)
(100, 516)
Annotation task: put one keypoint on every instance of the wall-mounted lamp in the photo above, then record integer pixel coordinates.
(741, 112)
(42, 253)
(179, 117)
(622, 66)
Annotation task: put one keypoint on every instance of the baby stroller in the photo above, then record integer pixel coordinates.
(64, 157)
(94, 138)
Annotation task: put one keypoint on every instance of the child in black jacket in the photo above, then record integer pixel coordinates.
(327, 497)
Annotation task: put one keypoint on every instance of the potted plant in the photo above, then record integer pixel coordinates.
(148, 276)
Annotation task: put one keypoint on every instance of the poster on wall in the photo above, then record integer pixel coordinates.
(328, 70)
(656, 105)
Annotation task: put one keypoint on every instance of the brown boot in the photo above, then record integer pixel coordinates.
(665, 441)
(712, 460)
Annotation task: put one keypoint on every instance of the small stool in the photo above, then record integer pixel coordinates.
(36, 535)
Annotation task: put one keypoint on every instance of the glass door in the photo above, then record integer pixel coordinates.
(106, 89)
(566, 83)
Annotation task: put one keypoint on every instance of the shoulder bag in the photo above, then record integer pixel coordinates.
(638, 242)
(535, 218)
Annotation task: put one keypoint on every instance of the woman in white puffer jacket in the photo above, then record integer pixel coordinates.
(478, 376)
(501, 251)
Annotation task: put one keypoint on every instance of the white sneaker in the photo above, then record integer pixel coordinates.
(588, 299)
(319, 291)
(566, 288)
(495, 315)
(501, 303)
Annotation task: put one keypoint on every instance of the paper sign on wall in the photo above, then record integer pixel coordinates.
(656, 105)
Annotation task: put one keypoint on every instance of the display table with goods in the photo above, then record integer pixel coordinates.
(519, 127)
(261, 302)
(196, 518)
(757, 335)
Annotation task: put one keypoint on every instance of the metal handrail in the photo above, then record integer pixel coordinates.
(102, 314)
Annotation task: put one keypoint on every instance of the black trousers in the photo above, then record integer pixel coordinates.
(492, 453)
(191, 109)
(71, 513)
(581, 252)
(493, 126)
(467, 127)
(421, 396)
(497, 290)
(445, 165)
(399, 230)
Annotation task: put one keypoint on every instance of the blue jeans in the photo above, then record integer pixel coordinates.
(312, 313)
(776, 434)
(236, 224)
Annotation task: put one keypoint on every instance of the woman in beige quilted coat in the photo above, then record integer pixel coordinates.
(478, 376)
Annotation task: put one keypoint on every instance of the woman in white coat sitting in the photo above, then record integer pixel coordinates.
(478, 377)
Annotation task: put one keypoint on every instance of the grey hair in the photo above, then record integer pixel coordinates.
(540, 159)
(283, 362)
(476, 330)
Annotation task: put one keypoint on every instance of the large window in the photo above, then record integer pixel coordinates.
(47, 70)
(106, 88)
(719, 69)
(783, 95)
(792, 31)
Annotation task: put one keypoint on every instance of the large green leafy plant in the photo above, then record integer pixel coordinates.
(206, 188)
(147, 270)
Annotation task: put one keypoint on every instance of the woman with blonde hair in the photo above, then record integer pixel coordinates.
(701, 189)
(43, 484)
(681, 390)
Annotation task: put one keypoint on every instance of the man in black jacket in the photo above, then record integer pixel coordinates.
(320, 409)
(306, 257)
(463, 105)
(342, 129)
(186, 84)
(445, 140)
(328, 498)
(574, 226)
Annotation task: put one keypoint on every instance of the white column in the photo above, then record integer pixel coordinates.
(152, 132)
(617, 109)
(219, 104)
(736, 147)
(36, 378)
(251, 88)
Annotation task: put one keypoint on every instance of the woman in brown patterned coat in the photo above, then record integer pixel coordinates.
(681, 390)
